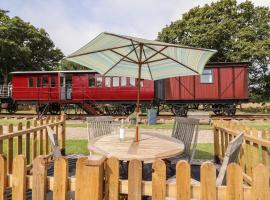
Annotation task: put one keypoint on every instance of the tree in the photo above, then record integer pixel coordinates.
(24, 47)
(240, 32)
(68, 65)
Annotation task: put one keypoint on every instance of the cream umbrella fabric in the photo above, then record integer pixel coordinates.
(118, 55)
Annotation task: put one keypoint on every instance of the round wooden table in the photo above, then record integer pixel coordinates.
(150, 147)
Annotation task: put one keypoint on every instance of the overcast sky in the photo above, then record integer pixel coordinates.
(73, 23)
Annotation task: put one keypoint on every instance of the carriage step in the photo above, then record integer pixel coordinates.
(89, 109)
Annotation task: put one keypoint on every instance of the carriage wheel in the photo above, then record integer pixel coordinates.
(231, 110)
(12, 108)
(218, 109)
(180, 110)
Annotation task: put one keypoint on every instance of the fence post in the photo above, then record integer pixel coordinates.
(255, 149)
(216, 144)
(27, 143)
(208, 181)
(19, 178)
(159, 180)
(265, 149)
(41, 138)
(260, 184)
(234, 182)
(183, 180)
(39, 188)
(248, 154)
(47, 121)
(34, 142)
(1, 141)
(10, 149)
(90, 173)
(63, 134)
(60, 184)
(112, 179)
(19, 142)
(3, 177)
(135, 180)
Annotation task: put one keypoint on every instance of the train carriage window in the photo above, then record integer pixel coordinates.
(99, 81)
(123, 81)
(91, 81)
(45, 82)
(132, 81)
(115, 81)
(142, 83)
(52, 82)
(38, 83)
(207, 76)
(107, 81)
(30, 82)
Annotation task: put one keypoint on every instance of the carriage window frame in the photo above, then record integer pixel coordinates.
(52, 82)
(115, 80)
(123, 81)
(99, 81)
(30, 82)
(38, 82)
(91, 78)
(207, 76)
(107, 81)
(45, 81)
(132, 82)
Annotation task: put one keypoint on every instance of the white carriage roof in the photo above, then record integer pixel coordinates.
(53, 72)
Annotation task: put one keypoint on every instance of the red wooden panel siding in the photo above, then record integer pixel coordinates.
(207, 90)
(229, 82)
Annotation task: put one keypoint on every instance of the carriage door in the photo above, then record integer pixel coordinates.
(63, 86)
(69, 86)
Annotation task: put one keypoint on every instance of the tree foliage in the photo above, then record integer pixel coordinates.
(24, 47)
(240, 32)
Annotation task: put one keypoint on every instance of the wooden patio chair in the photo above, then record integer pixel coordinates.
(231, 155)
(99, 126)
(185, 130)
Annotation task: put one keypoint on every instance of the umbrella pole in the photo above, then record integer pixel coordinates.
(138, 104)
(138, 94)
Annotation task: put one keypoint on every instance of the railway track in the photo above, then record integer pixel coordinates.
(160, 117)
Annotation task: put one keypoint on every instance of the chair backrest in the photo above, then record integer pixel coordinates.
(231, 155)
(98, 126)
(186, 130)
(53, 141)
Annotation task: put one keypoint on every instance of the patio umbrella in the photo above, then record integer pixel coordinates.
(118, 55)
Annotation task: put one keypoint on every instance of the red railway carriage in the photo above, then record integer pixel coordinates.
(51, 89)
(221, 87)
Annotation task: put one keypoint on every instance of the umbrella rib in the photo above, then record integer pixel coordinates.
(98, 51)
(157, 60)
(174, 60)
(147, 65)
(178, 46)
(134, 48)
(134, 61)
(146, 59)
(119, 61)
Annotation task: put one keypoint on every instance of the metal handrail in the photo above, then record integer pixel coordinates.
(5, 91)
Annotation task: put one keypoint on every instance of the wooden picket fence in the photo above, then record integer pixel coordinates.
(98, 179)
(31, 140)
(254, 150)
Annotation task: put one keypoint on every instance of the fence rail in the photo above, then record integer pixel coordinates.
(5, 91)
(90, 175)
(254, 150)
(31, 140)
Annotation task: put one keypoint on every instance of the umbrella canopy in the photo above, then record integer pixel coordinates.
(117, 55)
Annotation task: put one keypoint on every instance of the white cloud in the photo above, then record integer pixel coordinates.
(72, 23)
